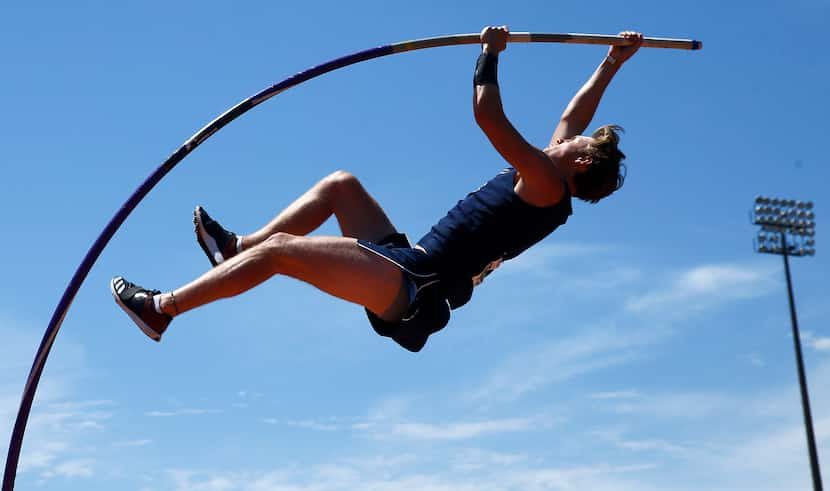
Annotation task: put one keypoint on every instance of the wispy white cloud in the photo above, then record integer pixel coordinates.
(772, 458)
(189, 480)
(72, 469)
(776, 452)
(417, 430)
(764, 447)
(508, 474)
(474, 459)
(659, 445)
(306, 424)
(392, 418)
(607, 279)
(621, 438)
(459, 431)
(821, 344)
(383, 463)
(560, 360)
(42, 455)
(59, 423)
(73, 415)
(754, 359)
(818, 343)
(544, 255)
(181, 412)
(622, 394)
(133, 443)
(549, 260)
(392, 407)
(601, 477)
(704, 287)
(678, 405)
(768, 456)
(55, 439)
(246, 398)
(81, 405)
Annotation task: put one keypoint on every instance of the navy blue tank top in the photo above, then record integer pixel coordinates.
(490, 225)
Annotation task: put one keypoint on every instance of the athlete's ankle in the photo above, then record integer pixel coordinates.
(165, 303)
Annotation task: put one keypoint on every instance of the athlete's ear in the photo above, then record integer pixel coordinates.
(583, 162)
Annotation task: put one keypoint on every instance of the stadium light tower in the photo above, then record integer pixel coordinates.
(788, 228)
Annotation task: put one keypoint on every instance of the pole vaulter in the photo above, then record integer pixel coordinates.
(218, 123)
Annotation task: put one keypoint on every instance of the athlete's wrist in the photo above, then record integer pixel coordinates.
(490, 49)
(486, 72)
(611, 63)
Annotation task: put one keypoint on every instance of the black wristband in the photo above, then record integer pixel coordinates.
(486, 69)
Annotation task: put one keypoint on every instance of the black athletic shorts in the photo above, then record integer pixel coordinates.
(429, 310)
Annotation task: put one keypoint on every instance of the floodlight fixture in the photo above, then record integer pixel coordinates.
(791, 223)
(788, 228)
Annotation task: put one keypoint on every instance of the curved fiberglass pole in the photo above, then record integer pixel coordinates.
(214, 126)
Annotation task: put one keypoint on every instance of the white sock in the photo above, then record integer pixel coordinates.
(157, 303)
(238, 244)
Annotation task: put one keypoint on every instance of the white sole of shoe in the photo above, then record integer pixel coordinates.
(207, 242)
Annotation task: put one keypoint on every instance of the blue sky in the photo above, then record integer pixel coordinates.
(642, 346)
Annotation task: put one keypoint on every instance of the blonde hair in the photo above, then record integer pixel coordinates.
(606, 173)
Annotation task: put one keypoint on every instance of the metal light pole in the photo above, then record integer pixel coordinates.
(788, 228)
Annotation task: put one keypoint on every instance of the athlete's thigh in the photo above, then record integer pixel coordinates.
(339, 267)
(359, 214)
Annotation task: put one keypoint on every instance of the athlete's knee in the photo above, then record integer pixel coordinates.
(276, 247)
(344, 183)
(278, 241)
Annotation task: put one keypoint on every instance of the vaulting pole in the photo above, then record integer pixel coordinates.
(217, 124)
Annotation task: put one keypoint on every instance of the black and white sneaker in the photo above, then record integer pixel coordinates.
(137, 302)
(219, 244)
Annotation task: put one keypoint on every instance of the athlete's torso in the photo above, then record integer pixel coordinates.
(490, 225)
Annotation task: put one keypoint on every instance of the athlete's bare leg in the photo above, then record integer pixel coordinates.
(339, 194)
(336, 265)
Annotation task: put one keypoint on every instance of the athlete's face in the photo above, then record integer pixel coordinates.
(572, 151)
(575, 144)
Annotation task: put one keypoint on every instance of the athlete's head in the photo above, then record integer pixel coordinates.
(594, 163)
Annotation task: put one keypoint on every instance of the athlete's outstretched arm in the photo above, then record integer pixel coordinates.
(580, 111)
(542, 183)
